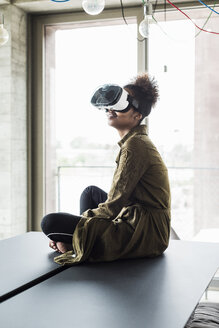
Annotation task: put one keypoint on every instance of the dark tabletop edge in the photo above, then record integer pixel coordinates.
(32, 283)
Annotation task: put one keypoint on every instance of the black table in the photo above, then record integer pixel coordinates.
(141, 293)
(25, 260)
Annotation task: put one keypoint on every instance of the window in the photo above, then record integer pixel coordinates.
(184, 125)
(80, 146)
(72, 144)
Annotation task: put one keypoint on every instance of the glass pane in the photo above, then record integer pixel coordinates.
(184, 125)
(84, 146)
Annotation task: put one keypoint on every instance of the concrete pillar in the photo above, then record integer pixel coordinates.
(13, 149)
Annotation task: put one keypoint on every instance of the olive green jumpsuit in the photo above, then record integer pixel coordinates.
(135, 219)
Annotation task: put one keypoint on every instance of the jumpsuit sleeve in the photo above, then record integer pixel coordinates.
(133, 162)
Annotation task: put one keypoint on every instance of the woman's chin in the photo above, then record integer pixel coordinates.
(111, 121)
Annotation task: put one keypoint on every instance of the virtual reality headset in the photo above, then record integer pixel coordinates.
(113, 97)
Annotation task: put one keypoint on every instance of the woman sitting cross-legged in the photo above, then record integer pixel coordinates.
(133, 219)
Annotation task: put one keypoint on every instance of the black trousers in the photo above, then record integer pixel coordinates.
(61, 226)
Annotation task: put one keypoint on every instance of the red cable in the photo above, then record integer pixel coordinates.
(201, 29)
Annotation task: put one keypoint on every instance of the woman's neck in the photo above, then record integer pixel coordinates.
(122, 133)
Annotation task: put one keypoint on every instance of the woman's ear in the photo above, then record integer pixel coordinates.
(138, 116)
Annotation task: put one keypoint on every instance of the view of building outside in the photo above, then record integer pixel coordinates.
(183, 125)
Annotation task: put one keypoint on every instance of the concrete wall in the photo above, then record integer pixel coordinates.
(13, 149)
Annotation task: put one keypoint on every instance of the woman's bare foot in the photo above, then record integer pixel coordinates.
(53, 245)
(63, 248)
(60, 247)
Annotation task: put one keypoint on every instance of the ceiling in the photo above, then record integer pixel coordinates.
(34, 6)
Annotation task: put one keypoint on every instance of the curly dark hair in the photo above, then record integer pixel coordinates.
(144, 89)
